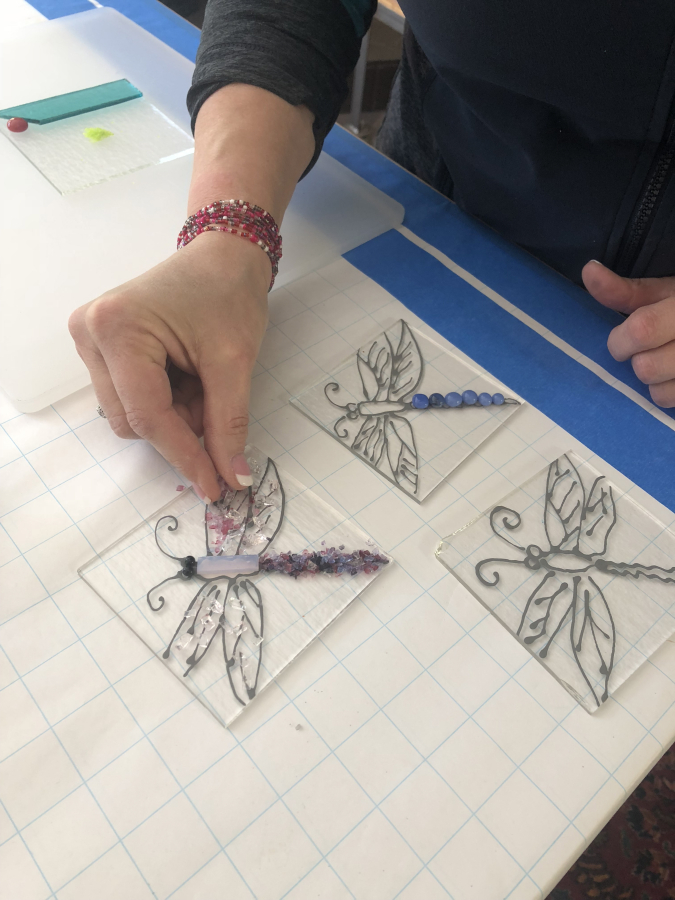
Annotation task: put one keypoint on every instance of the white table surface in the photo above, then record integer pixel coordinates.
(18, 12)
(435, 757)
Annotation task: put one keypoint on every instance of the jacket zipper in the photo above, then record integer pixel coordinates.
(646, 208)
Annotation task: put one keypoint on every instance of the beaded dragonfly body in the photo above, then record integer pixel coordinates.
(227, 613)
(574, 555)
(390, 370)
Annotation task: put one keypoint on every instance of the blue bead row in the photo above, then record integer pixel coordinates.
(453, 400)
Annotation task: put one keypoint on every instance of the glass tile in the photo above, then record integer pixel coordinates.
(365, 404)
(578, 571)
(227, 638)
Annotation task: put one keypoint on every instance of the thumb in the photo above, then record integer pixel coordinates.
(624, 294)
(227, 387)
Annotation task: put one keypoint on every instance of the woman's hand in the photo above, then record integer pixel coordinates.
(204, 311)
(647, 337)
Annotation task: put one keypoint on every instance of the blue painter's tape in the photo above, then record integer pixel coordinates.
(54, 9)
(609, 423)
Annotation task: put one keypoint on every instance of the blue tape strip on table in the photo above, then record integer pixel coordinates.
(151, 15)
(609, 423)
(55, 9)
(553, 301)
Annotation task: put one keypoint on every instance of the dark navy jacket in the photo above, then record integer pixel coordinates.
(550, 121)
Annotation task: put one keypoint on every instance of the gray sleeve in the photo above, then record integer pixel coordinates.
(301, 50)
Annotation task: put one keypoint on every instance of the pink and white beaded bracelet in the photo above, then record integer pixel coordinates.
(236, 217)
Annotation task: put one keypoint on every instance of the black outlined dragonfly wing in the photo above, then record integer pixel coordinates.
(391, 435)
(573, 608)
(407, 365)
(374, 362)
(565, 501)
(242, 637)
(371, 441)
(201, 624)
(401, 451)
(266, 510)
(245, 522)
(391, 366)
(599, 517)
(225, 523)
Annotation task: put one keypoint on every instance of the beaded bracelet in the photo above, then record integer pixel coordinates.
(236, 217)
(453, 400)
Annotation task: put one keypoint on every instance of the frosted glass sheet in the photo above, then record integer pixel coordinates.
(141, 136)
(264, 621)
(579, 572)
(365, 404)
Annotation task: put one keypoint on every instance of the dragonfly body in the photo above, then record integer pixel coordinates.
(568, 562)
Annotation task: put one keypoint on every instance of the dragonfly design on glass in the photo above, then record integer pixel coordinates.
(227, 612)
(568, 600)
(390, 370)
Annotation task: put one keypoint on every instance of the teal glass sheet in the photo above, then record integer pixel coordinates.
(63, 106)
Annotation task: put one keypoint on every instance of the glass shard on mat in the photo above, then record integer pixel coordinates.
(227, 638)
(577, 570)
(63, 106)
(365, 404)
(139, 135)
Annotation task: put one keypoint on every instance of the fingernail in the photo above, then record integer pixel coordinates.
(200, 493)
(596, 261)
(241, 470)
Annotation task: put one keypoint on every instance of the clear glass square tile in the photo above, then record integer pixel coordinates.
(368, 404)
(577, 571)
(227, 636)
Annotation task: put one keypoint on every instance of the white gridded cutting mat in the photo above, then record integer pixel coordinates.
(416, 751)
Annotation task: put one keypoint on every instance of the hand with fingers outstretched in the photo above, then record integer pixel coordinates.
(171, 352)
(647, 337)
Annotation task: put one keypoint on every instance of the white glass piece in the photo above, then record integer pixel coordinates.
(365, 404)
(214, 566)
(577, 570)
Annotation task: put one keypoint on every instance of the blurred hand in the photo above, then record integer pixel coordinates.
(204, 311)
(647, 337)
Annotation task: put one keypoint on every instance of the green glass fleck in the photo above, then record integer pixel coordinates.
(96, 134)
(63, 106)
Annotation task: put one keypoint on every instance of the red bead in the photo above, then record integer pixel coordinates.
(17, 125)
